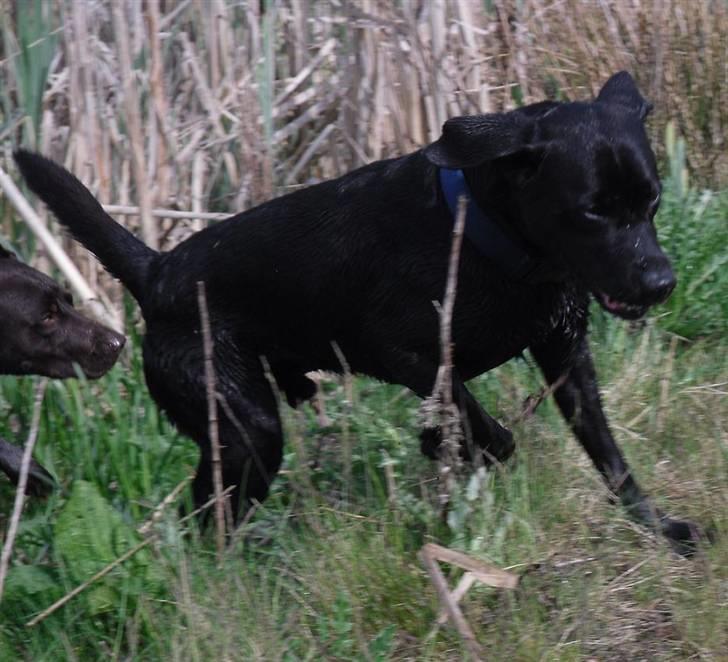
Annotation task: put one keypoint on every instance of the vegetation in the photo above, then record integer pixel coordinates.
(234, 109)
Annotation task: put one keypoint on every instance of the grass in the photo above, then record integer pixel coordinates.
(328, 566)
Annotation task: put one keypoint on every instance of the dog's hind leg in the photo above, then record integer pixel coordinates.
(251, 450)
(578, 398)
(249, 428)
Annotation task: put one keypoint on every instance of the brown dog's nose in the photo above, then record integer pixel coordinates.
(115, 342)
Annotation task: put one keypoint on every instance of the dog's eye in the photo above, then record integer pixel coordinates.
(51, 314)
(655, 203)
(595, 214)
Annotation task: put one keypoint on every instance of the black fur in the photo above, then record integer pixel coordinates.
(360, 259)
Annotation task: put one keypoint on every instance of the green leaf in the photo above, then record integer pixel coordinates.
(27, 580)
(90, 535)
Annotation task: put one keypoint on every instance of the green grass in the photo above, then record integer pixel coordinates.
(328, 567)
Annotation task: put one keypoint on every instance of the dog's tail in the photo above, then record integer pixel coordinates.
(123, 255)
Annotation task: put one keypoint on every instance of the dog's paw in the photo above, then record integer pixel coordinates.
(430, 440)
(686, 537)
(297, 388)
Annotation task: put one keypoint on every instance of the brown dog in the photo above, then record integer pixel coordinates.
(41, 333)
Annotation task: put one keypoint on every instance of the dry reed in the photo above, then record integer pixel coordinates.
(217, 106)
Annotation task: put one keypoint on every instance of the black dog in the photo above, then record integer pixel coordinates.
(562, 201)
(42, 334)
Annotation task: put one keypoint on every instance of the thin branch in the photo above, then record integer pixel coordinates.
(128, 210)
(475, 570)
(534, 401)
(57, 254)
(439, 407)
(124, 557)
(208, 349)
(22, 483)
(82, 587)
(451, 607)
(156, 515)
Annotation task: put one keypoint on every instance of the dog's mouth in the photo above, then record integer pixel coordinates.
(629, 311)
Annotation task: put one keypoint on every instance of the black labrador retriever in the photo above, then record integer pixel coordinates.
(562, 199)
(42, 334)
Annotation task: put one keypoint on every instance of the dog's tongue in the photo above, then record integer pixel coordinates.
(613, 304)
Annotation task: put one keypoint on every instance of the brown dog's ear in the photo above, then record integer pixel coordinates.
(474, 139)
(621, 89)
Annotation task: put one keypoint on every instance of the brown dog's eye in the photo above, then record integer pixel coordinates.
(50, 315)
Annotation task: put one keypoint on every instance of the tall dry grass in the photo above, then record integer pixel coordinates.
(213, 105)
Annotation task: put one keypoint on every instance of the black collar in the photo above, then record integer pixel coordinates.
(485, 234)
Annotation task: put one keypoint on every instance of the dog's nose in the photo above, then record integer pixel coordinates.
(658, 284)
(117, 342)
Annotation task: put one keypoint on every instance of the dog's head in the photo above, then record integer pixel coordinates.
(41, 333)
(578, 183)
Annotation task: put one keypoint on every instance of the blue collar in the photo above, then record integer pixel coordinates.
(485, 234)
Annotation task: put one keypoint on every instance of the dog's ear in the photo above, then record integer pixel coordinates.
(621, 89)
(474, 139)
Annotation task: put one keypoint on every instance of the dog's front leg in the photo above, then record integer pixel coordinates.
(561, 358)
(40, 482)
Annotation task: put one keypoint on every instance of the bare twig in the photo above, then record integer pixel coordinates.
(451, 607)
(124, 557)
(127, 210)
(443, 383)
(82, 587)
(145, 528)
(22, 483)
(476, 570)
(349, 407)
(440, 410)
(57, 254)
(208, 349)
(534, 401)
(484, 572)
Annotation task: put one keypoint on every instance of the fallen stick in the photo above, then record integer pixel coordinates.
(484, 572)
(476, 570)
(451, 607)
(108, 568)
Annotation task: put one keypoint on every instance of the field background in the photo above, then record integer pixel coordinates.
(214, 106)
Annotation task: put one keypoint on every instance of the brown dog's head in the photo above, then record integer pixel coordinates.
(40, 331)
(575, 181)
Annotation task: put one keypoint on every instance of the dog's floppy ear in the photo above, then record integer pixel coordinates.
(474, 139)
(622, 90)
